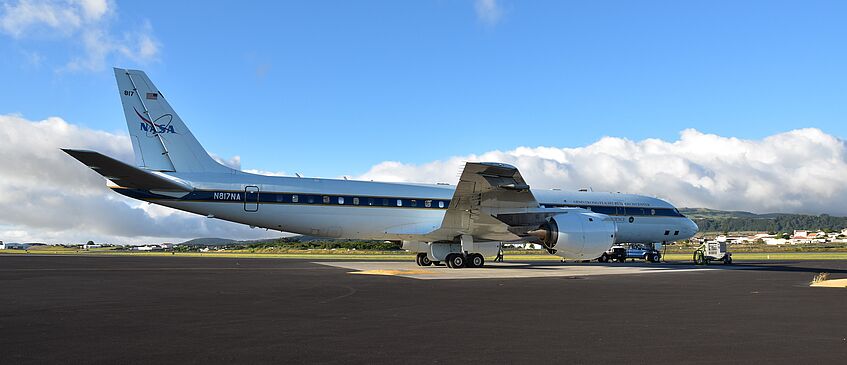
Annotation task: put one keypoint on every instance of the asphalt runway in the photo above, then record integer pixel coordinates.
(96, 309)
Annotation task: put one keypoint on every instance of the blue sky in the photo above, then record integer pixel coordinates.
(333, 88)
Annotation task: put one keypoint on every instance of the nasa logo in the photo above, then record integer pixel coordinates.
(157, 128)
(151, 128)
(631, 219)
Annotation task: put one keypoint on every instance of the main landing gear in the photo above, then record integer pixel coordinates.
(453, 260)
(422, 260)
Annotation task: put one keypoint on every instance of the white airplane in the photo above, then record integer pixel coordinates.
(458, 225)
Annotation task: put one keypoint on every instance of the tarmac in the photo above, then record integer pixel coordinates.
(125, 309)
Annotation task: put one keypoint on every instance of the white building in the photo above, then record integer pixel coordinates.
(775, 241)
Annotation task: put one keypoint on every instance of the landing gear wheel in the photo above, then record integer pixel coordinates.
(423, 260)
(656, 258)
(455, 261)
(727, 260)
(476, 260)
(603, 258)
(622, 259)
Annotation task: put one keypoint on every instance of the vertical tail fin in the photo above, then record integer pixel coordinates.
(160, 139)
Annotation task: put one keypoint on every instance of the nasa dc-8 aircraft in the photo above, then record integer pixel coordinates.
(458, 225)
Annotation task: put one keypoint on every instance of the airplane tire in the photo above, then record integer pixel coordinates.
(425, 261)
(476, 260)
(655, 258)
(418, 260)
(603, 258)
(455, 261)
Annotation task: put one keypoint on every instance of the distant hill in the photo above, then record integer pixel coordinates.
(208, 242)
(711, 220)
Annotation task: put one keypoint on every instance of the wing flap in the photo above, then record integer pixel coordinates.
(484, 190)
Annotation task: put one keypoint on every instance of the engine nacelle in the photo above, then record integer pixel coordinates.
(578, 236)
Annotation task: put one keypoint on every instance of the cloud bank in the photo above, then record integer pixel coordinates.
(87, 24)
(800, 171)
(50, 197)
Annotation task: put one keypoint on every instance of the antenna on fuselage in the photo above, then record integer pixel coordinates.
(298, 175)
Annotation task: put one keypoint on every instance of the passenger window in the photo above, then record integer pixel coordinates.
(370, 201)
(294, 198)
(652, 212)
(326, 199)
(441, 204)
(399, 203)
(386, 202)
(341, 200)
(311, 199)
(427, 203)
(413, 203)
(355, 201)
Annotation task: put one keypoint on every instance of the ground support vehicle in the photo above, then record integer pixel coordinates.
(712, 251)
(620, 253)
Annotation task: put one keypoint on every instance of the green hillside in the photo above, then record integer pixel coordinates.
(710, 220)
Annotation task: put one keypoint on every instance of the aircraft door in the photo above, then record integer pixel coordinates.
(251, 198)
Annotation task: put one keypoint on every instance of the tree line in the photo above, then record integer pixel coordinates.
(783, 223)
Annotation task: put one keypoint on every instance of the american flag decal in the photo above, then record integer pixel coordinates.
(152, 96)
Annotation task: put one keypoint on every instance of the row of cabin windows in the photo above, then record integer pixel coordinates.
(352, 200)
(664, 212)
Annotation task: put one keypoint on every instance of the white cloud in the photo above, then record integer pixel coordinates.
(488, 11)
(86, 24)
(50, 197)
(264, 172)
(797, 171)
(232, 162)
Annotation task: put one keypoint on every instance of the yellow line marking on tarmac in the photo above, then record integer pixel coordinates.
(834, 283)
(393, 272)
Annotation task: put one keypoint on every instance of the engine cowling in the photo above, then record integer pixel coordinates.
(579, 235)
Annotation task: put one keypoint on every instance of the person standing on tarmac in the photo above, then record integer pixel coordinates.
(499, 257)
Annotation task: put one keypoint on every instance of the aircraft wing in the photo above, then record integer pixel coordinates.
(485, 190)
(125, 175)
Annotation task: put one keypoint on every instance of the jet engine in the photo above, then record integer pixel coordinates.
(579, 235)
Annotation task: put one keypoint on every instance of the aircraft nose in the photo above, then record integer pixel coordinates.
(690, 228)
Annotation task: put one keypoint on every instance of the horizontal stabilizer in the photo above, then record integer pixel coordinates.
(126, 175)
